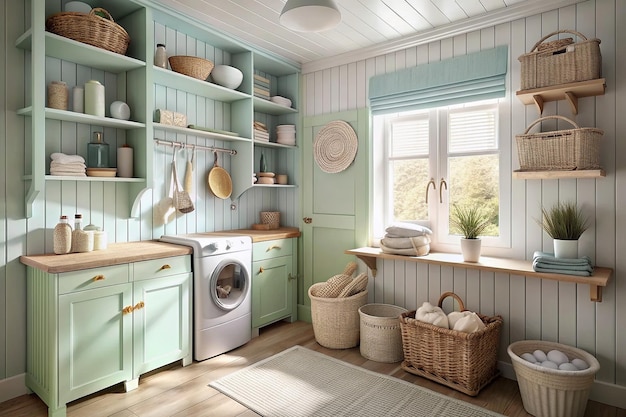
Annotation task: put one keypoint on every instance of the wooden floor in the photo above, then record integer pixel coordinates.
(183, 391)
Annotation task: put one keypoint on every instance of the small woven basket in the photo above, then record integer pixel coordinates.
(191, 66)
(271, 218)
(91, 29)
(551, 392)
(560, 61)
(381, 340)
(567, 149)
(336, 321)
(466, 362)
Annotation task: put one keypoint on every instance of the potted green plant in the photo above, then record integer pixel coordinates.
(470, 222)
(564, 223)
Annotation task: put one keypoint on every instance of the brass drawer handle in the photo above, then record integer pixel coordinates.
(98, 278)
(273, 247)
(166, 266)
(261, 270)
(291, 277)
(139, 305)
(127, 310)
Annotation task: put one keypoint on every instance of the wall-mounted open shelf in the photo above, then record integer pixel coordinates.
(570, 92)
(555, 175)
(599, 279)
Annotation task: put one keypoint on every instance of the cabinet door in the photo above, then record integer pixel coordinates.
(162, 321)
(272, 289)
(95, 340)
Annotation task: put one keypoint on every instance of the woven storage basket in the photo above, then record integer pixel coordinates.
(91, 29)
(466, 362)
(191, 66)
(550, 392)
(381, 340)
(271, 218)
(567, 149)
(560, 62)
(336, 321)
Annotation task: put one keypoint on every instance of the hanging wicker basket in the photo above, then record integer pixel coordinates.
(91, 29)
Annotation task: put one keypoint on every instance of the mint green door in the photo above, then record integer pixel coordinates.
(95, 340)
(335, 205)
(272, 285)
(161, 319)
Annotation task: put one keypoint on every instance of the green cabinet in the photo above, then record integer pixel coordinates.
(274, 284)
(93, 328)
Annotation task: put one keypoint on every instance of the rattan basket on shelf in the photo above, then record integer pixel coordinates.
(567, 149)
(91, 29)
(466, 362)
(560, 61)
(191, 66)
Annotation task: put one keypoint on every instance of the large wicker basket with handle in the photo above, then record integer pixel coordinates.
(560, 61)
(466, 362)
(567, 149)
(91, 29)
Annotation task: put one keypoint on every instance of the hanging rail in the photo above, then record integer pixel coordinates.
(204, 148)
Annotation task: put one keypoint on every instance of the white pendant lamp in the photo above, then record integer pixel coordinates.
(310, 15)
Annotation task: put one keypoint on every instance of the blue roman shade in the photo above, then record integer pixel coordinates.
(473, 77)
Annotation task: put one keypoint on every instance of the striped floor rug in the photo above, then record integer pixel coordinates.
(302, 382)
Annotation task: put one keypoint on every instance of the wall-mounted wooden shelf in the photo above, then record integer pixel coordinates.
(570, 92)
(554, 175)
(599, 279)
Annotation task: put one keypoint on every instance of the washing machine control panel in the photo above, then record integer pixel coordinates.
(210, 245)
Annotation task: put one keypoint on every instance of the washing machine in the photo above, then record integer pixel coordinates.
(222, 307)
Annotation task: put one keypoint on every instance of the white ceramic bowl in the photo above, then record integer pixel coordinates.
(120, 110)
(77, 6)
(227, 76)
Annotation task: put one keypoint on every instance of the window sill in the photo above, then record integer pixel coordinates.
(599, 279)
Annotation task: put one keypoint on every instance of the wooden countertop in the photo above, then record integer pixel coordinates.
(115, 254)
(265, 235)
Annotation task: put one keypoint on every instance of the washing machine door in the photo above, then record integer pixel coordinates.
(229, 284)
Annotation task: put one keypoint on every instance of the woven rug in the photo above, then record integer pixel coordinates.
(303, 382)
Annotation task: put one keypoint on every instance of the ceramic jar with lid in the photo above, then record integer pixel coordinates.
(160, 56)
(94, 98)
(99, 236)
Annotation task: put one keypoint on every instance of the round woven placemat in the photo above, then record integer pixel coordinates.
(335, 146)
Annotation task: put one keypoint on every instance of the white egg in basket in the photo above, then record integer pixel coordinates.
(227, 76)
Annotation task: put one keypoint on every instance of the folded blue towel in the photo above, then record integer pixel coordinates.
(550, 259)
(561, 271)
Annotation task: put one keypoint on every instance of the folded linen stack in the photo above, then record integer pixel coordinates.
(261, 86)
(406, 239)
(261, 134)
(67, 165)
(547, 262)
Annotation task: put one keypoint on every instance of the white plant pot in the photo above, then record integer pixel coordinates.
(566, 249)
(470, 249)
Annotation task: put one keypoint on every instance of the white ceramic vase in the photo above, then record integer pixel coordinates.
(566, 249)
(470, 249)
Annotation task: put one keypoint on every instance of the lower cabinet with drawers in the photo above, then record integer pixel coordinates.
(93, 328)
(274, 283)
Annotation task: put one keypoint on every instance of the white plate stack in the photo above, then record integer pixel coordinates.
(283, 101)
(286, 134)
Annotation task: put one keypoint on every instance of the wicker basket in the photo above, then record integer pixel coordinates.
(381, 340)
(90, 29)
(466, 362)
(336, 322)
(560, 62)
(568, 149)
(191, 66)
(550, 392)
(271, 218)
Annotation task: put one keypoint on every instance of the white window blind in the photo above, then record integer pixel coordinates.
(409, 138)
(472, 131)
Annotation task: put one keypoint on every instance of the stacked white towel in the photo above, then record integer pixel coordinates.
(67, 165)
(406, 239)
(429, 313)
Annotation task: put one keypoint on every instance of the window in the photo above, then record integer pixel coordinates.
(425, 161)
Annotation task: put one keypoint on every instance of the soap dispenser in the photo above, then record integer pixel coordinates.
(97, 152)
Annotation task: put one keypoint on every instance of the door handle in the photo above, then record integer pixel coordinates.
(308, 220)
(432, 181)
(442, 184)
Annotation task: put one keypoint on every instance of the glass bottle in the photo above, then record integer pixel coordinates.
(262, 164)
(97, 152)
(62, 237)
(82, 241)
(160, 56)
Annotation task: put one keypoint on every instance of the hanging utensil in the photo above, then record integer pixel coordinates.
(165, 208)
(188, 181)
(182, 200)
(219, 181)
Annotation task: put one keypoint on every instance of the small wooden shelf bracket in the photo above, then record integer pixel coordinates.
(570, 92)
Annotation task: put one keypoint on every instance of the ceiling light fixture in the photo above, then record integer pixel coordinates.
(310, 15)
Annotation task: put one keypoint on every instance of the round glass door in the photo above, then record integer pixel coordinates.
(229, 284)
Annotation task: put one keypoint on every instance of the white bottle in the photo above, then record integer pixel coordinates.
(160, 56)
(94, 98)
(125, 161)
(78, 99)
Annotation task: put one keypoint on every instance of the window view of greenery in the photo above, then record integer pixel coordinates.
(410, 178)
(474, 182)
